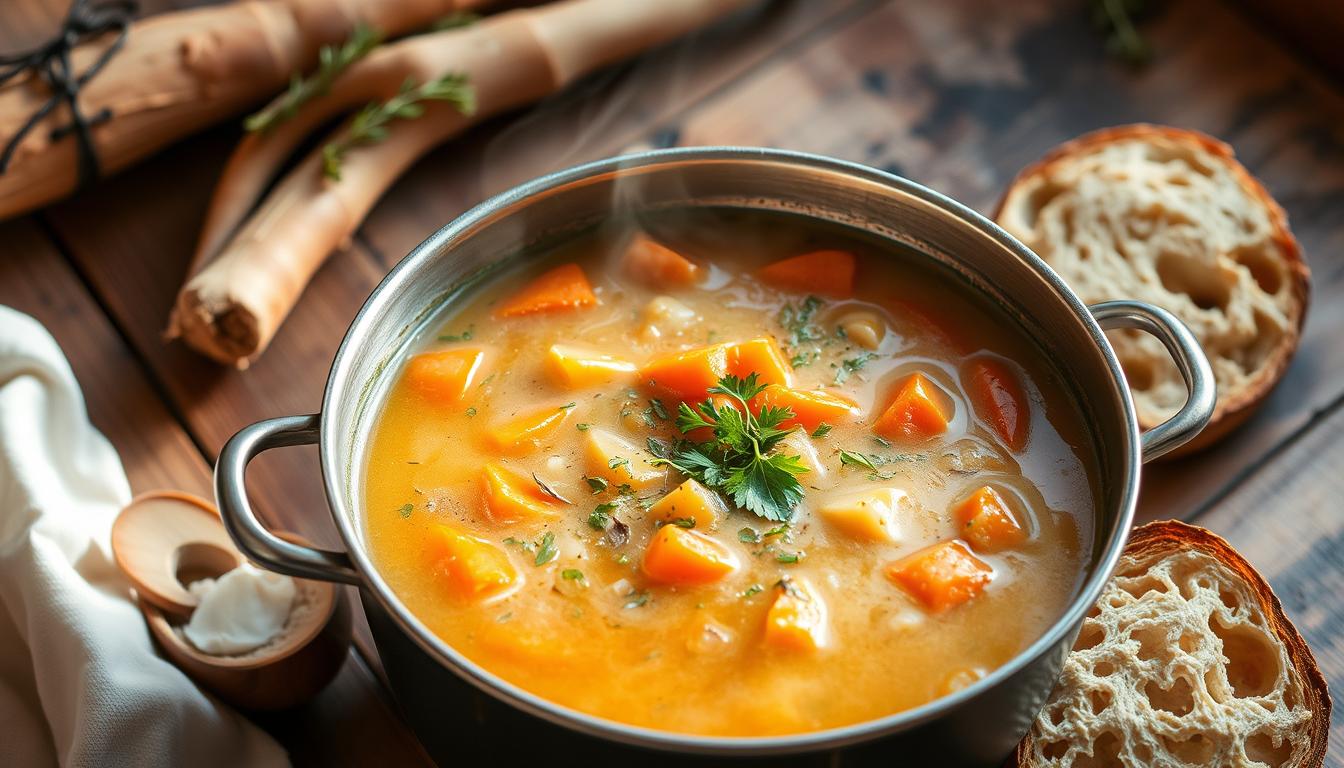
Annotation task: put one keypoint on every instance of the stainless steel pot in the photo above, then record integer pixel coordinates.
(977, 725)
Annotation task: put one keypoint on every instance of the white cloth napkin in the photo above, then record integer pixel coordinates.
(80, 683)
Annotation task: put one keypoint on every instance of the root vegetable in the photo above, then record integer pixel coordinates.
(253, 268)
(178, 73)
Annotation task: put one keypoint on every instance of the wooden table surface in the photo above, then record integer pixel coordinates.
(956, 94)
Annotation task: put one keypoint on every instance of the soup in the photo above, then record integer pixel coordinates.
(730, 474)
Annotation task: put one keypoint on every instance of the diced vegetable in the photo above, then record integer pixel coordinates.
(869, 515)
(680, 556)
(619, 461)
(687, 375)
(444, 376)
(562, 288)
(863, 327)
(657, 265)
(810, 406)
(525, 433)
(826, 273)
(919, 411)
(987, 522)
(996, 394)
(762, 357)
(471, 568)
(510, 497)
(941, 576)
(688, 501)
(796, 620)
(580, 367)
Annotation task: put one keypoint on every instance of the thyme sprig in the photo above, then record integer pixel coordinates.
(369, 125)
(331, 62)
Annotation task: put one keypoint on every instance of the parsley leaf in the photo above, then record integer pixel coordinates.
(738, 460)
(852, 365)
(546, 550)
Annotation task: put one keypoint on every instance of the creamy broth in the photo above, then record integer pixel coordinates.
(599, 625)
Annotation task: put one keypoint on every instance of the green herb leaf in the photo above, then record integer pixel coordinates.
(573, 574)
(788, 557)
(637, 599)
(369, 125)
(583, 426)
(455, 20)
(600, 517)
(463, 336)
(738, 460)
(471, 411)
(852, 365)
(754, 589)
(406, 509)
(598, 484)
(823, 429)
(332, 61)
(659, 409)
(748, 536)
(546, 549)
(682, 522)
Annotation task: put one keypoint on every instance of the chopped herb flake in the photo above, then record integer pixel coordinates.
(598, 484)
(582, 426)
(546, 549)
(659, 409)
(636, 599)
(472, 411)
(748, 536)
(788, 557)
(406, 509)
(823, 429)
(852, 365)
(753, 590)
(573, 574)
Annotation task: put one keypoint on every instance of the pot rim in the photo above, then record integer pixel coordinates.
(1130, 459)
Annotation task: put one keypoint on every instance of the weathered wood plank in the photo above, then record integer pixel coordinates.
(960, 95)
(1286, 518)
(350, 722)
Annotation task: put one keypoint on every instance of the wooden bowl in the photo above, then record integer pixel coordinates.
(164, 539)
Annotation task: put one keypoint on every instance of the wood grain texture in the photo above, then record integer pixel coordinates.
(959, 96)
(1287, 520)
(157, 453)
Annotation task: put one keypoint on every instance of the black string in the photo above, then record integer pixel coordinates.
(51, 62)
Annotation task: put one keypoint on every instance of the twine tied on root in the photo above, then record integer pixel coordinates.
(51, 62)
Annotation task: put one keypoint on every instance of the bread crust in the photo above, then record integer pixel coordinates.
(1231, 411)
(1160, 538)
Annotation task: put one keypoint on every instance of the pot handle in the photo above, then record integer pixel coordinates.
(1190, 361)
(254, 539)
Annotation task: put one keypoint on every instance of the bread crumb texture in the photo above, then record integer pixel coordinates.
(1176, 666)
(1169, 217)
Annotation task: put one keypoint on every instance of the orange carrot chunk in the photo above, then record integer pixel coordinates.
(510, 497)
(810, 407)
(689, 501)
(679, 556)
(997, 396)
(579, 367)
(987, 522)
(941, 576)
(688, 375)
(657, 265)
(471, 568)
(796, 620)
(826, 273)
(525, 433)
(919, 411)
(444, 376)
(762, 357)
(562, 288)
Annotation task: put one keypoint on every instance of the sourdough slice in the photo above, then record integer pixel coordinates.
(1186, 660)
(1170, 217)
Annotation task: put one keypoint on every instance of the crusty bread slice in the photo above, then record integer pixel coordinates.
(1186, 660)
(1169, 216)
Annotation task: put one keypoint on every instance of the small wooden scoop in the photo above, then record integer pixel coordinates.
(164, 540)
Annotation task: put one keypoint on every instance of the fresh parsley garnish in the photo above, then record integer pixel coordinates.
(788, 557)
(748, 536)
(823, 429)
(852, 365)
(406, 509)
(598, 484)
(867, 461)
(573, 574)
(738, 460)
